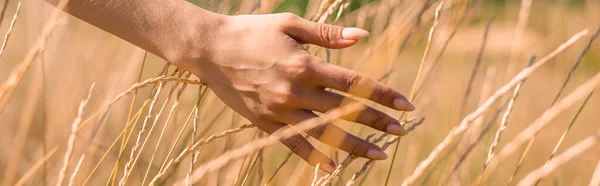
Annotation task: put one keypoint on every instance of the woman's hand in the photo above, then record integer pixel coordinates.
(256, 65)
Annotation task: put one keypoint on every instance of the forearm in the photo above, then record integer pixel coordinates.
(166, 28)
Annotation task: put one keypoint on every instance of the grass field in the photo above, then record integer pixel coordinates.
(79, 106)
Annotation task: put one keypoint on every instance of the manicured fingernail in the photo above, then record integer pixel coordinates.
(403, 104)
(376, 154)
(395, 129)
(354, 33)
(328, 168)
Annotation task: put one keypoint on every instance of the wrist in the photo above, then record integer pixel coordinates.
(193, 37)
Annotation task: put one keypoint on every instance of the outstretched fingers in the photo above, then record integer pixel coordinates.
(322, 101)
(338, 138)
(357, 84)
(301, 147)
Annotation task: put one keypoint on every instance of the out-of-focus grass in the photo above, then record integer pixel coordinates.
(78, 55)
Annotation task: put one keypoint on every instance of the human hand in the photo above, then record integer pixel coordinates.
(256, 65)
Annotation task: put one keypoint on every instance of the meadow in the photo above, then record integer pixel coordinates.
(505, 93)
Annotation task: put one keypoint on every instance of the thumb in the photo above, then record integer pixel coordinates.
(325, 35)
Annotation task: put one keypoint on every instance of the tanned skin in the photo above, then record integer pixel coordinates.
(256, 65)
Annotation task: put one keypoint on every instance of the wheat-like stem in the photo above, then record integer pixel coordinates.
(562, 158)
(280, 134)
(194, 147)
(173, 107)
(366, 165)
(417, 78)
(10, 28)
(136, 86)
(187, 121)
(558, 94)
(464, 125)
(504, 122)
(315, 175)
(194, 131)
(548, 116)
(123, 132)
(471, 146)
(35, 167)
(564, 134)
(7, 88)
(71, 140)
(595, 181)
(476, 66)
(136, 147)
(131, 107)
(435, 61)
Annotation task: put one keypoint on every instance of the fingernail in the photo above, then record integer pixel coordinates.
(328, 168)
(376, 154)
(395, 129)
(403, 104)
(354, 33)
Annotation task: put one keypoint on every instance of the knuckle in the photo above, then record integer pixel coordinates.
(353, 80)
(284, 95)
(286, 18)
(380, 121)
(324, 32)
(300, 67)
(296, 145)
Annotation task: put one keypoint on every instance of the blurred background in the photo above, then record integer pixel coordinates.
(38, 116)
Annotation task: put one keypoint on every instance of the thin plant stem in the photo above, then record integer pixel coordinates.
(10, 27)
(549, 115)
(416, 82)
(558, 94)
(504, 122)
(561, 159)
(464, 125)
(131, 107)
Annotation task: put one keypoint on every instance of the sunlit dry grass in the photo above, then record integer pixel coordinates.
(462, 63)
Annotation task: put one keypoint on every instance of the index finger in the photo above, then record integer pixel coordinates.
(359, 85)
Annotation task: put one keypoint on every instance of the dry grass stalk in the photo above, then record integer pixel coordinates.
(504, 122)
(10, 28)
(471, 147)
(7, 88)
(177, 140)
(560, 91)
(3, 11)
(517, 43)
(595, 181)
(171, 111)
(123, 132)
(464, 125)
(194, 147)
(35, 167)
(477, 64)
(562, 158)
(194, 133)
(132, 157)
(366, 165)
(71, 140)
(418, 77)
(330, 10)
(539, 123)
(136, 86)
(316, 175)
(131, 107)
(461, 20)
(272, 139)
